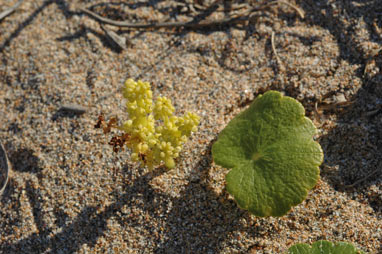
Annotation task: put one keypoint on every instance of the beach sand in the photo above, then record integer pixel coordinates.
(70, 193)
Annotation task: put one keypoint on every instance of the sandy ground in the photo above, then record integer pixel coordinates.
(69, 193)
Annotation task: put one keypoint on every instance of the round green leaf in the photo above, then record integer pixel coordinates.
(324, 247)
(273, 156)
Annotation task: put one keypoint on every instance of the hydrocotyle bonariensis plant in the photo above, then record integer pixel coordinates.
(273, 156)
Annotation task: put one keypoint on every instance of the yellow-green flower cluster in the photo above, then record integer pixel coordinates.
(155, 134)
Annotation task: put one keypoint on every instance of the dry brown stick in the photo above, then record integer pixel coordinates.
(73, 108)
(362, 179)
(229, 20)
(242, 6)
(4, 168)
(280, 63)
(215, 3)
(224, 21)
(119, 41)
(220, 8)
(298, 10)
(10, 10)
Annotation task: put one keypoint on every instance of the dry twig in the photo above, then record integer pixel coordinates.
(298, 10)
(73, 108)
(229, 20)
(10, 10)
(242, 17)
(234, 7)
(362, 179)
(117, 40)
(193, 24)
(280, 63)
(4, 168)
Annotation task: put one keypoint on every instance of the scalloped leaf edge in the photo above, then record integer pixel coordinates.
(221, 157)
(324, 247)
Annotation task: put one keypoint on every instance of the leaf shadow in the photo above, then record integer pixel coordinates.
(201, 221)
(353, 149)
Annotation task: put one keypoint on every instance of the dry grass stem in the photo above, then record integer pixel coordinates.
(117, 40)
(10, 10)
(190, 24)
(298, 10)
(237, 18)
(73, 108)
(279, 62)
(4, 168)
(363, 179)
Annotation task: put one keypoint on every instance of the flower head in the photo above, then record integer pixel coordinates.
(155, 134)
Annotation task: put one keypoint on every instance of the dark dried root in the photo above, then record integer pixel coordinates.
(117, 142)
